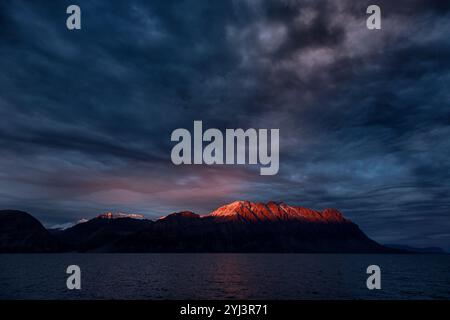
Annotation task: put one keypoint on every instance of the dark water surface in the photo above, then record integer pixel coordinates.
(224, 276)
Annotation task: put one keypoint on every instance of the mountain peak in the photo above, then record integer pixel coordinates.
(180, 215)
(21, 232)
(247, 211)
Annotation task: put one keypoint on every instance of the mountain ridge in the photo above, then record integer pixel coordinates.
(21, 232)
(273, 211)
(240, 226)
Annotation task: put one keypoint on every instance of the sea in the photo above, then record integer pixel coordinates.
(225, 276)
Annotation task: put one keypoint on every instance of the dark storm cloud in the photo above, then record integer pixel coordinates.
(86, 116)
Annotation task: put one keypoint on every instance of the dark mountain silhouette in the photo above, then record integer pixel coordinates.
(244, 226)
(241, 226)
(20, 232)
(103, 230)
(416, 250)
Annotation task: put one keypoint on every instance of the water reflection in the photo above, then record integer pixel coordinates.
(224, 276)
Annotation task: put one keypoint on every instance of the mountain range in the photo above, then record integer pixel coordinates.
(241, 226)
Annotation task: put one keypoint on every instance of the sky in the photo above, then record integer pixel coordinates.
(364, 115)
